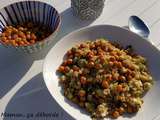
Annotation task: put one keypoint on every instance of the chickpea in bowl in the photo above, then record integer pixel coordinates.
(25, 34)
(27, 27)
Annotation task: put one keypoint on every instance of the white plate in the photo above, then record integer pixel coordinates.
(151, 107)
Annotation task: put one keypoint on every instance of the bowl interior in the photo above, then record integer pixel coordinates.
(150, 108)
(34, 11)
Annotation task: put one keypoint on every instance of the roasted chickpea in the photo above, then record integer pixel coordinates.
(105, 84)
(82, 93)
(115, 114)
(83, 80)
(11, 35)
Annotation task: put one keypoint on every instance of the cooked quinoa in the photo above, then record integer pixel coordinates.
(104, 78)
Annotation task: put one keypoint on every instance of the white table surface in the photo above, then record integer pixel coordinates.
(22, 89)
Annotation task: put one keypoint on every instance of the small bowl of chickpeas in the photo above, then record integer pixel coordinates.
(28, 26)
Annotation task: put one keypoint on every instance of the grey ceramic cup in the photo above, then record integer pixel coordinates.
(87, 9)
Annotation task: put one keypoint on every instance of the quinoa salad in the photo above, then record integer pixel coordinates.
(104, 78)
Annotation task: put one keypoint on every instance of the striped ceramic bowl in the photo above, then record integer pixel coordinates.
(35, 11)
